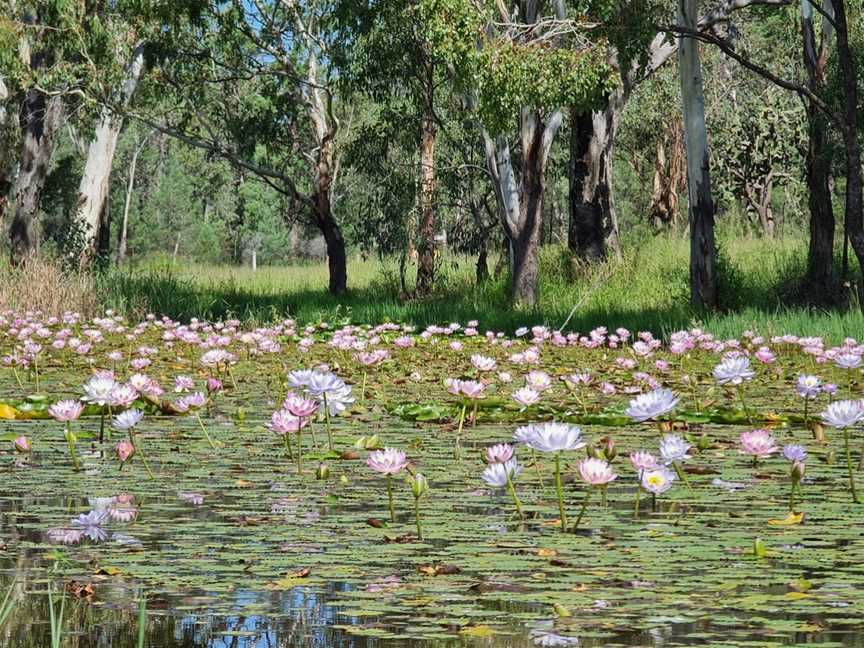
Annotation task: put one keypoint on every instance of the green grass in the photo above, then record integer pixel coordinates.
(647, 290)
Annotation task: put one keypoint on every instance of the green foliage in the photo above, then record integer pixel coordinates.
(513, 75)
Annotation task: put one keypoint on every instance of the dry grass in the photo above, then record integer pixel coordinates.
(44, 285)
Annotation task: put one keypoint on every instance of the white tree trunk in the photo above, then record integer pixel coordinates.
(93, 189)
(127, 203)
(703, 276)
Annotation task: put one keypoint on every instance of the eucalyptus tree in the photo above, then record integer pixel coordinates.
(390, 56)
(520, 65)
(642, 45)
(703, 249)
(253, 82)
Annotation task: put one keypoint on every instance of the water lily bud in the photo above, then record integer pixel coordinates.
(125, 450)
(240, 415)
(360, 443)
(419, 486)
(703, 443)
(323, 471)
(592, 452)
(343, 480)
(609, 450)
(22, 444)
(797, 472)
(372, 442)
(830, 457)
(214, 385)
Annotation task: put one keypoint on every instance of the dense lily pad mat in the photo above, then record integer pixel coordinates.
(260, 555)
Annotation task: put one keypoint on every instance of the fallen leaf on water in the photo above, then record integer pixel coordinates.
(791, 519)
(481, 631)
(438, 569)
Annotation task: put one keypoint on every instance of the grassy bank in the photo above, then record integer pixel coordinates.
(646, 290)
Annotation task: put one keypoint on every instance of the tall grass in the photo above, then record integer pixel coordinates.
(647, 290)
(43, 284)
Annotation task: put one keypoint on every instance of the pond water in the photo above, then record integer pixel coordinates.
(232, 547)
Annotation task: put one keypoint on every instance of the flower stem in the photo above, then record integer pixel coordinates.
(140, 453)
(299, 450)
(582, 510)
(516, 502)
(363, 388)
(744, 404)
(288, 445)
(849, 466)
(458, 450)
(390, 498)
(537, 467)
(327, 422)
(70, 439)
(638, 498)
(682, 475)
(204, 429)
(559, 489)
(417, 518)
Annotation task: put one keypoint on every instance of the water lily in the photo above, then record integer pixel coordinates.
(557, 438)
(673, 451)
(759, 444)
(502, 475)
(596, 473)
(652, 405)
(499, 453)
(844, 414)
(66, 411)
(388, 462)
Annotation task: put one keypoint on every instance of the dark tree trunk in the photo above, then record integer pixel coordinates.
(103, 246)
(525, 273)
(854, 181)
(426, 238)
(820, 255)
(593, 223)
(337, 260)
(40, 120)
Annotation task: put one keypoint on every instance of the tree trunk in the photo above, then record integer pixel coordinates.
(703, 271)
(854, 182)
(323, 212)
(670, 176)
(525, 274)
(93, 189)
(40, 122)
(122, 243)
(426, 239)
(820, 256)
(593, 222)
(5, 150)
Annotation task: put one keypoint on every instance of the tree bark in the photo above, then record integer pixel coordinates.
(520, 204)
(40, 122)
(93, 189)
(525, 274)
(426, 239)
(337, 261)
(820, 255)
(854, 182)
(593, 222)
(703, 271)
